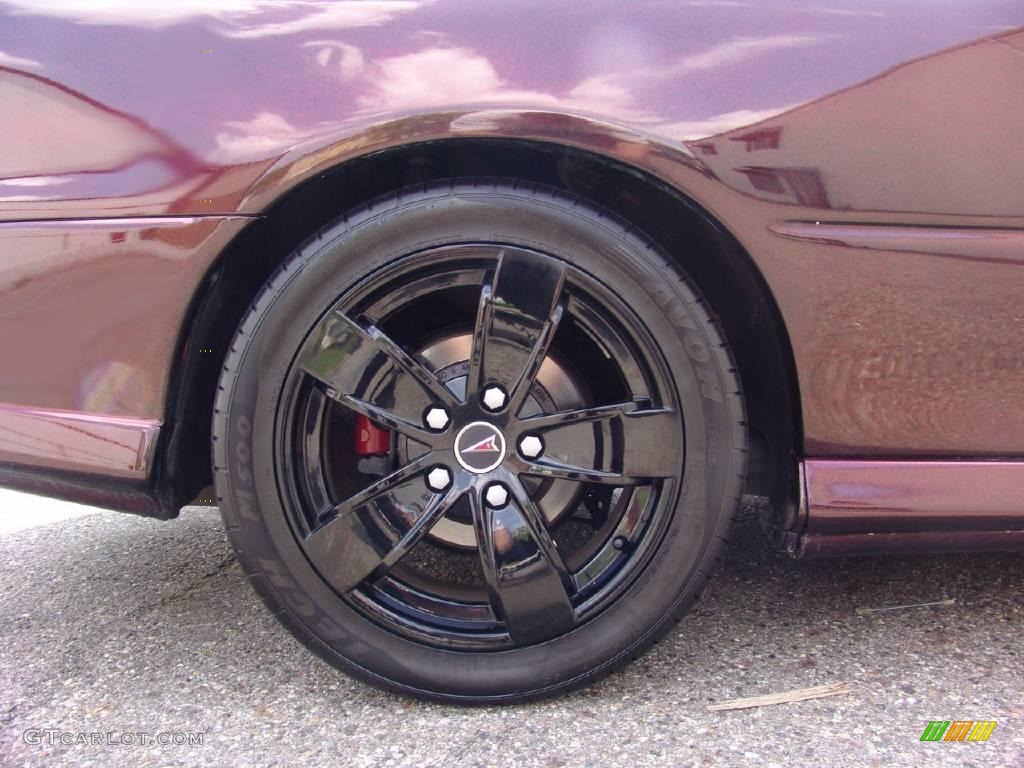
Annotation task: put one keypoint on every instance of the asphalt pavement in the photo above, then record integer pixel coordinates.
(118, 632)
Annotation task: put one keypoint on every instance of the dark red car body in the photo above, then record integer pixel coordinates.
(866, 158)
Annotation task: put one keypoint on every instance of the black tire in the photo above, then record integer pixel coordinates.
(380, 237)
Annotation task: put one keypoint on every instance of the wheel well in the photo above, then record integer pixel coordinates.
(714, 260)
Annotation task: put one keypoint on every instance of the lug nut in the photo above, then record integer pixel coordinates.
(436, 418)
(494, 398)
(438, 479)
(531, 446)
(496, 495)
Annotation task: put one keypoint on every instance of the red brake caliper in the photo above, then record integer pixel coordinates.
(371, 440)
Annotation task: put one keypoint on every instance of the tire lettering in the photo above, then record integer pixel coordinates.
(696, 348)
(245, 501)
(242, 451)
(710, 387)
(296, 598)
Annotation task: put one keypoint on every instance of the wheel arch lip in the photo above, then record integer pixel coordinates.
(671, 162)
(748, 221)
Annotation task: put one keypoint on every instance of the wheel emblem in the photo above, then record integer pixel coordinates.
(479, 447)
(487, 445)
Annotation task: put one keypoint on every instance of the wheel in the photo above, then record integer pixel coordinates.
(478, 442)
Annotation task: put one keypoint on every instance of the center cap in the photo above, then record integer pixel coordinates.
(479, 447)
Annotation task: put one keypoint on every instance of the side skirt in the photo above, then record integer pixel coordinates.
(88, 458)
(854, 507)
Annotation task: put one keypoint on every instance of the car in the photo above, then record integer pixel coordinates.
(478, 320)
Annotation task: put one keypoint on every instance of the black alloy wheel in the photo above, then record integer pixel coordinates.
(477, 442)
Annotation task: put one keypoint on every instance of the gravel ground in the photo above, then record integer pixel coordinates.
(114, 623)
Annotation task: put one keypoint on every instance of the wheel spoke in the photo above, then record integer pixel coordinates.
(481, 329)
(526, 578)
(384, 417)
(620, 444)
(557, 470)
(368, 371)
(516, 321)
(519, 391)
(386, 484)
(373, 530)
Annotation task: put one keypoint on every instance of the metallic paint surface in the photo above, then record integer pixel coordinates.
(895, 106)
(908, 339)
(92, 310)
(772, 115)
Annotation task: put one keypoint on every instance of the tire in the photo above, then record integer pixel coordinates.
(649, 485)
